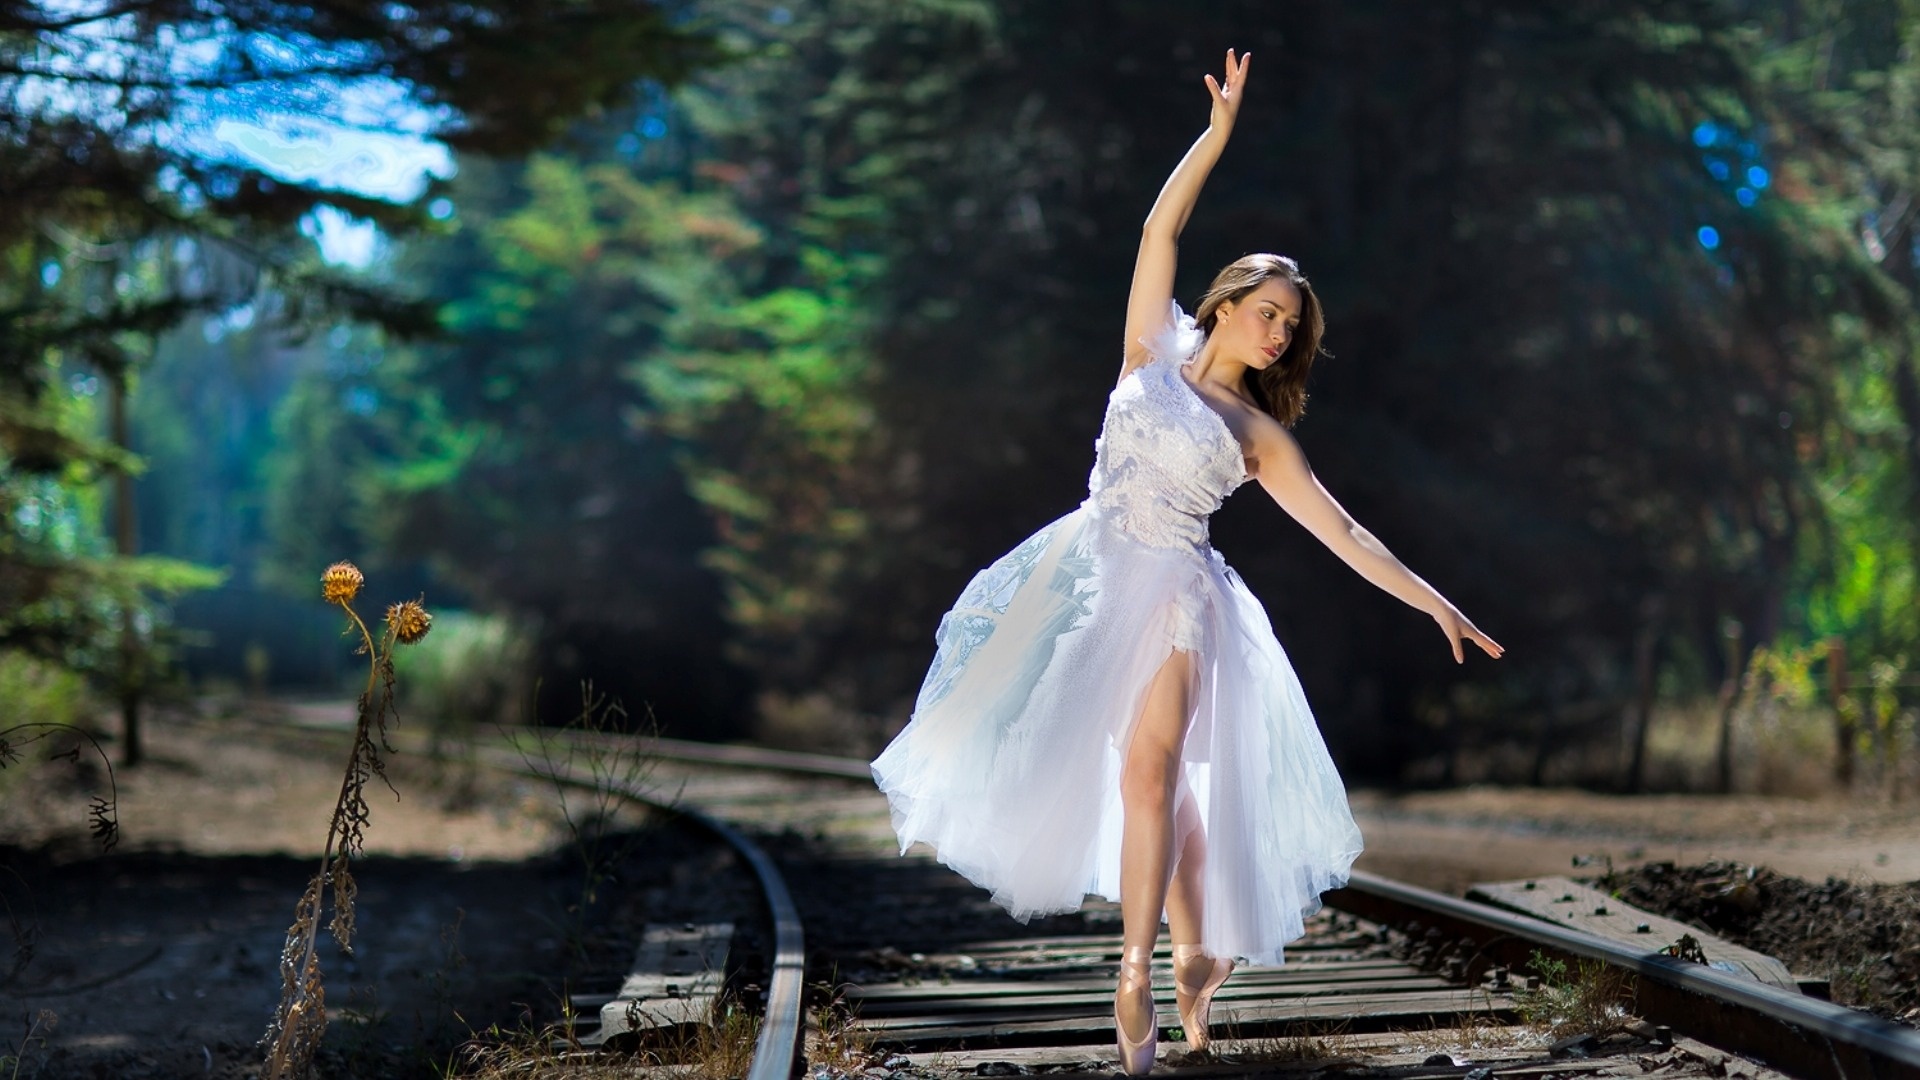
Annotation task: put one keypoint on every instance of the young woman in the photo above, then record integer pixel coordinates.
(1108, 711)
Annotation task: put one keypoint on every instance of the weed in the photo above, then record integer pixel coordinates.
(36, 1027)
(722, 1050)
(835, 1039)
(103, 819)
(1480, 1030)
(1852, 984)
(364, 1019)
(434, 1027)
(301, 1017)
(1584, 999)
(102, 808)
(1318, 1043)
(592, 763)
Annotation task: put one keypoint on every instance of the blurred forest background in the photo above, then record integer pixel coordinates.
(716, 344)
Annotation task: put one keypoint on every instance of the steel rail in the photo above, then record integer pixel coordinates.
(777, 1048)
(1802, 1035)
(757, 757)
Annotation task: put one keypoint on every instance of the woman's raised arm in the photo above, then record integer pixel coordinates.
(1160, 237)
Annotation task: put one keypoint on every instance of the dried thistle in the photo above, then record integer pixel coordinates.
(341, 583)
(301, 1019)
(408, 621)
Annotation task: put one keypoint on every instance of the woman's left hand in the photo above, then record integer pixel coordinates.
(1457, 627)
(1226, 99)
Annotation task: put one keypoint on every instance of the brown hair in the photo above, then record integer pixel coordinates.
(1281, 389)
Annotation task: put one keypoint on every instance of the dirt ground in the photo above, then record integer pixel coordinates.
(160, 959)
(1447, 840)
(1863, 937)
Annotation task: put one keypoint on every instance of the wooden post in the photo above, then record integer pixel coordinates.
(1842, 717)
(1730, 636)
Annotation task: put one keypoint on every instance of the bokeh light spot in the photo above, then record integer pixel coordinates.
(1709, 237)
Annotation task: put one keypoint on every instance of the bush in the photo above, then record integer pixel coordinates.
(474, 670)
(36, 692)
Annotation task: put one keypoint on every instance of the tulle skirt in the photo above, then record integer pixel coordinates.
(1010, 767)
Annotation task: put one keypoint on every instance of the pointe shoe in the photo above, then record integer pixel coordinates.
(1194, 1016)
(1136, 1058)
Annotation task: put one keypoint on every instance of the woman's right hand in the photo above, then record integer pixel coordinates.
(1457, 627)
(1226, 99)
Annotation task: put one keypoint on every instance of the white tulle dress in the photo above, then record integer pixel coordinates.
(1010, 765)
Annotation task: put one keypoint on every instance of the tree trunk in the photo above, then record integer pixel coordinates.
(1842, 713)
(1731, 633)
(1906, 392)
(1646, 647)
(126, 543)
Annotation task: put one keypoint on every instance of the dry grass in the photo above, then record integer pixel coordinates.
(1322, 1044)
(1779, 748)
(722, 1050)
(1585, 998)
(1472, 1033)
(835, 1039)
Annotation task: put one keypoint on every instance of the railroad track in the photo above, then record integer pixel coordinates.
(918, 976)
(1390, 977)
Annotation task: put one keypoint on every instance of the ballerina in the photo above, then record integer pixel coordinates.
(1108, 710)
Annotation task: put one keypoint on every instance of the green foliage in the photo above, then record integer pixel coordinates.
(770, 394)
(1855, 70)
(1537, 361)
(841, 334)
(516, 456)
(34, 691)
(111, 235)
(1785, 673)
(477, 672)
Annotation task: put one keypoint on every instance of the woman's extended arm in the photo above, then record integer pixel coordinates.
(1284, 473)
(1159, 238)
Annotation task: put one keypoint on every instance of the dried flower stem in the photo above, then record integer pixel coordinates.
(301, 1019)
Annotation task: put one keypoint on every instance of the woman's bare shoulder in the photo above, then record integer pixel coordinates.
(1267, 440)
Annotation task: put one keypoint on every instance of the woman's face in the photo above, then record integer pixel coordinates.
(1257, 329)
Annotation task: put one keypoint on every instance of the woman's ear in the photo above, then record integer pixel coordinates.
(1220, 313)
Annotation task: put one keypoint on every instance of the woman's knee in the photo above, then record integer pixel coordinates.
(1147, 783)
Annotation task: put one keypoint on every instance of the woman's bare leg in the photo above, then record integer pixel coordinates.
(1185, 901)
(1148, 781)
(1186, 906)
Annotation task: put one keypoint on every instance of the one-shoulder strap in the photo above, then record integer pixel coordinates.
(1179, 338)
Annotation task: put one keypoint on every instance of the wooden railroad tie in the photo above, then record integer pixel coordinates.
(1566, 902)
(672, 985)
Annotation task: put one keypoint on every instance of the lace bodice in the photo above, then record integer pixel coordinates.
(1165, 460)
